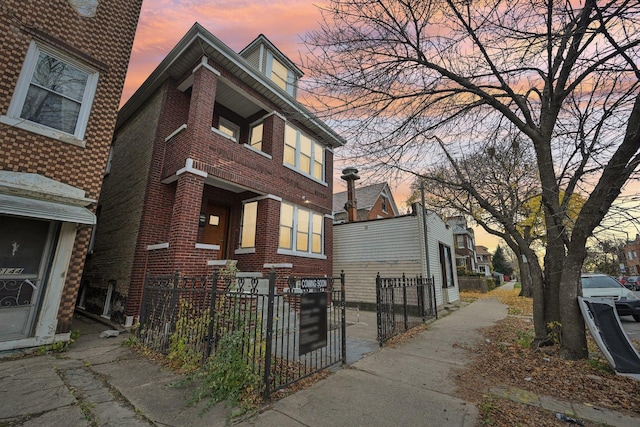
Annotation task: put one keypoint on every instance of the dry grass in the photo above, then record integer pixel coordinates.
(504, 359)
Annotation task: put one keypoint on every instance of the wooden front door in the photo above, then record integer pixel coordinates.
(215, 229)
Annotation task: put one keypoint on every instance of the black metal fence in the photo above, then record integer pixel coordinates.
(286, 332)
(403, 303)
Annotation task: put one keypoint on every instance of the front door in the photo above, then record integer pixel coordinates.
(215, 229)
(25, 247)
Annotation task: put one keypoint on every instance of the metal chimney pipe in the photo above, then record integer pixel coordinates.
(351, 175)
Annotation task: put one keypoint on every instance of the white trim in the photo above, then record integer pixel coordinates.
(242, 251)
(329, 216)
(278, 265)
(204, 63)
(313, 178)
(266, 116)
(188, 167)
(158, 246)
(207, 246)
(175, 132)
(255, 150)
(266, 196)
(301, 254)
(222, 262)
(219, 132)
(43, 130)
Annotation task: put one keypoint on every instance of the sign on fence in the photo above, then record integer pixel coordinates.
(313, 322)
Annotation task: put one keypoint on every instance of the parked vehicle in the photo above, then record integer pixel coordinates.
(600, 285)
(632, 282)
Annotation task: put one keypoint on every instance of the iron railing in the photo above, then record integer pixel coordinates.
(403, 303)
(288, 332)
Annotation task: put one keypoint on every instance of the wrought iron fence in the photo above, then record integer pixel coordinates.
(288, 332)
(403, 303)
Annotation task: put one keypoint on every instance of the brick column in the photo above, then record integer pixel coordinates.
(203, 96)
(183, 232)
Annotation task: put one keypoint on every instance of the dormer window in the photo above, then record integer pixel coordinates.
(279, 74)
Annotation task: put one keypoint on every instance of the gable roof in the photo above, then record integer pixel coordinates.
(199, 42)
(263, 40)
(366, 197)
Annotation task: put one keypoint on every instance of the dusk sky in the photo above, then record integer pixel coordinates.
(236, 23)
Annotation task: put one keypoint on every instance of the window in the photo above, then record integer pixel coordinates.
(301, 229)
(279, 74)
(460, 241)
(229, 128)
(385, 203)
(54, 94)
(248, 227)
(446, 268)
(302, 153)
(255, 141)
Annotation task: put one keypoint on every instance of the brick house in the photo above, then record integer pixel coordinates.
(213, 160)
(64, 64)
(374, 201)
(464, 239)
(632, 256)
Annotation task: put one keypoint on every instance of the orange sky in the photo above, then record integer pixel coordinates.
(236, 23)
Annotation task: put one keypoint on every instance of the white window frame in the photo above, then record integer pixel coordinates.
(22, 87)
(313, 160)
(234, 128)
(289, 77)
(310, 232)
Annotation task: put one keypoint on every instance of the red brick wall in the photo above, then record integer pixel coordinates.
(103, 41)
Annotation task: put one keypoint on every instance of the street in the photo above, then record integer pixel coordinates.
(631, 327)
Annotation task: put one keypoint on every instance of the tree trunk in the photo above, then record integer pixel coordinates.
(537, 291)
(573, 339)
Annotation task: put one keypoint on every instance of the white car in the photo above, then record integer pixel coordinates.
(600, 285)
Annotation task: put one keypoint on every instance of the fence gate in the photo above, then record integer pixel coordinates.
(403, 303)
(285, 328)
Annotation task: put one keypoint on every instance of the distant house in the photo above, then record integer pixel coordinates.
(373, 202)
(392, 247)
(632, 256)
(464, 243)
(63, 69)
(213, 161)
(483, 260)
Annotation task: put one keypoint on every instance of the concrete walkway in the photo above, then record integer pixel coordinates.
(101, 383)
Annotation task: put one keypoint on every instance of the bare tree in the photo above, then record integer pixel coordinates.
(416, 82)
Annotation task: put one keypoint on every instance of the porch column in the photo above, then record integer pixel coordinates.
(183, 231)
(203, 96)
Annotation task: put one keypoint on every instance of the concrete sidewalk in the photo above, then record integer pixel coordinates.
(411, 384)
(101, 383)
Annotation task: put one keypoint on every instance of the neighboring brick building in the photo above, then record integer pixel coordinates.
(63, 69)
(484, 260)
(465, 241)
(213, 159)
(374, 201)
(632, 256)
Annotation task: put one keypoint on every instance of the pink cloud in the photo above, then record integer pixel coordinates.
(163, 22)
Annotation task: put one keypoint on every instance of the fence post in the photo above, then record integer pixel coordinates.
(421, 298)
(143, 308)
(433, 292)
(174, 298)
(379, 307)
(269, 344)
(212, 313)
(404, 302)
(343, 307)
